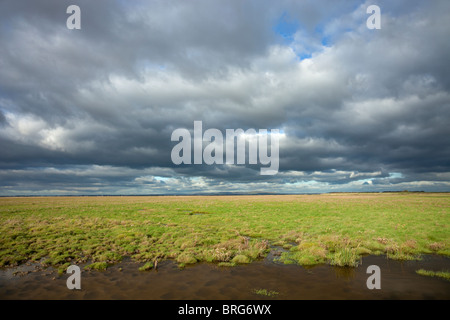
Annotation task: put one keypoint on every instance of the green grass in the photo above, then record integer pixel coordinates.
(265, 292)
(346, 257)
(230, 230)
(440, 274)
(101, 266)
(146, 267)
(241, 259)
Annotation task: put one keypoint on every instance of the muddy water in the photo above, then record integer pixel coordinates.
(209, 282)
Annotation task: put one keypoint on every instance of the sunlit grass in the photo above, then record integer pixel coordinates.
(230, 230)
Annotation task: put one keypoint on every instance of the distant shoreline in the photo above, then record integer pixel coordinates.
(219, 194)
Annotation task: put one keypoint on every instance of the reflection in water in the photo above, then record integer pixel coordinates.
(210, 282)
(345, 273)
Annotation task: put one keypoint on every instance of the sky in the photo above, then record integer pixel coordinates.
(91, 111)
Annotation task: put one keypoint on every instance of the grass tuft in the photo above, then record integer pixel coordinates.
(186, 258)
(265, 292)
(146, 267)
(100, 266)
(241, 259)
(440, 274)
(345, 257)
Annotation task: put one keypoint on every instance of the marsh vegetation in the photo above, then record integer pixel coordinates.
(336, 229)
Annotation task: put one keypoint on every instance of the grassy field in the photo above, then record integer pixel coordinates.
(332, 228)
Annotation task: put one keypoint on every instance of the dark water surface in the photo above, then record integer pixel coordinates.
(209, 282)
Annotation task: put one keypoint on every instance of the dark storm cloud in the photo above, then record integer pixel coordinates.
(369, 108)
(2, 119)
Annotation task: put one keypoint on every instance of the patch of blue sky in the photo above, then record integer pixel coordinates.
(289, 29)
(326, 42)
(161, 178)
(286, 27)
(305, 183)
(365, 182)
(395, 175)
(392, 175)
(304, 55)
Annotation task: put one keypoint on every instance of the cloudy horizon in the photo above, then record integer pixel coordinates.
(91, 111)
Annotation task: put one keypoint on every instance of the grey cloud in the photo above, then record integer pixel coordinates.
(2, 119)
(111, 93)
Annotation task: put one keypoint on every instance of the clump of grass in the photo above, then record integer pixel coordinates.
(436, 246)
(265, 292)
(146, 267)
(226, 264)
(291, 236)
(306, 254)
(63, 268)
(39, 255)
(401, 252)
(186, 258)
(12, 260)
(440, 274)
(109, 257)
(345, 257)
(241, 259)
(382, 240)
(188, 244)
(221, 254)
(363, 251)
(100, 266)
